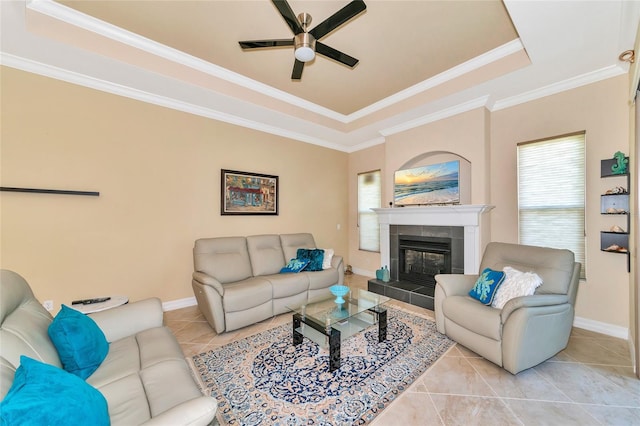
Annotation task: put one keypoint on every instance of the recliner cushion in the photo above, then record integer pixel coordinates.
(475, 317)
(266, 254)
(292, 242)
(246, 294)
(487, 285)
(81, 344)
(516, 284)
(44, 394)
(224, 258)
(314, 256)
(554, 266)
(294, 266)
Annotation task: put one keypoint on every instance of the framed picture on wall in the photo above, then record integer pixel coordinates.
(246, 193)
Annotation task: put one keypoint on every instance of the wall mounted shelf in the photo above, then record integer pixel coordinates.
(50, 191)
(616, 204)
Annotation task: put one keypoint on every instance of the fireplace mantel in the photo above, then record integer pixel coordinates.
(472, 217)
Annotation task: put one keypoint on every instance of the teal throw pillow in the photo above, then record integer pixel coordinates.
(42, 394)
(294, 266)
(487, 285)
(314, 256)
(80, 343)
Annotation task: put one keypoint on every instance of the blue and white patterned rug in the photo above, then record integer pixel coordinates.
(265, 380)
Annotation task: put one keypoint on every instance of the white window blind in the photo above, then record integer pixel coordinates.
(369, 197)
(551, 191)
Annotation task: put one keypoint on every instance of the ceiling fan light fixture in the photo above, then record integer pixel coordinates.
(305, 46)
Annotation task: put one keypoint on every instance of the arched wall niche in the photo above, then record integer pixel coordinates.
(435, 157)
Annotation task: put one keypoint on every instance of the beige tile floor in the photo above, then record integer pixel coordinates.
(591, 382)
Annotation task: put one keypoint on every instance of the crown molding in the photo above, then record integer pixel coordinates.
(73, 17)
(561, 86)
(438, 115)
(455, 72)
(46, 70)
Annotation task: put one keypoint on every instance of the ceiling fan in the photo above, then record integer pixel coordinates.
(306, 42)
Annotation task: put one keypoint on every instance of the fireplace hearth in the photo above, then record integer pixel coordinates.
(418, 254)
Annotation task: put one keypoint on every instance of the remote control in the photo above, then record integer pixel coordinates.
(90, 301)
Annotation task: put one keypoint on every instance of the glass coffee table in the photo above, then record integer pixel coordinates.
(328, 323)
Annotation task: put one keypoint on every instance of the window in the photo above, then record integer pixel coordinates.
(369, 197)
(551, 191)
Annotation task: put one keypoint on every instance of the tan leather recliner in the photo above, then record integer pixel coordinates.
(527, 330)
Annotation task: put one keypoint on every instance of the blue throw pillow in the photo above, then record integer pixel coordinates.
(487, 286)
(79, 341)
(294, 266)
(42, 394)
(314, 256)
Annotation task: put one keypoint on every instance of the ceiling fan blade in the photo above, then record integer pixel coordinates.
(296, 74)
(257, 44)
(340, 17)
(332, 53)
(288, 15)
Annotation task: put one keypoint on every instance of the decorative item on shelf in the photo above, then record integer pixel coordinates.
(339, 291)
(616, 190)
(620, 166)
(348, 270)
(612, 210)
(616, 248)
(385, 275)
(616, 228)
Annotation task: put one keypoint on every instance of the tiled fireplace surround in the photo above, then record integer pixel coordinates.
(466, 225)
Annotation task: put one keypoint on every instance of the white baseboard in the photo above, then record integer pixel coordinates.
(602, 327)
(172, 305)
(587, 324)
(362, 272)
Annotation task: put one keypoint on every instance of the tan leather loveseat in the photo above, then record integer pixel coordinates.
(237, 280)
(144, 378)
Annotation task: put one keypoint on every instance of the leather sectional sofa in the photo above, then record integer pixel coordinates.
(144, 377)
(237, 280)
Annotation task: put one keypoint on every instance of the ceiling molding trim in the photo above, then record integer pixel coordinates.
(73, 17)
(81, 20)
(368, 144)
(561, 86)
(489, 57)
(439, 115)
(39, 68)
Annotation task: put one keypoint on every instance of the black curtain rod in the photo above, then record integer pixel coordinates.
(49, 191)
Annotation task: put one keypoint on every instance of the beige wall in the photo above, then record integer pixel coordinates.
(463, 135)
(488, 140)
(158, 174)
(602, 110)
(366, 160)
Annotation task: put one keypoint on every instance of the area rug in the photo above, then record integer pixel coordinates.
(265, 380)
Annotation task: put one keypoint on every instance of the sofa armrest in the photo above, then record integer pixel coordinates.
(195, 412)
(336, 261)
(456, 284)
(129, 319)
(205, 279)
(537, 300)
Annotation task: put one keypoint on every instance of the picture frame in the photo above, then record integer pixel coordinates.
(247, 193)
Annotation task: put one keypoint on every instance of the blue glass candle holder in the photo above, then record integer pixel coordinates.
(339, 291)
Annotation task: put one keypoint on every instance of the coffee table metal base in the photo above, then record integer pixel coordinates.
(334, 334)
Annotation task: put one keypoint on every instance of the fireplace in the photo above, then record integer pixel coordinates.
(420, 259)
(457, 235)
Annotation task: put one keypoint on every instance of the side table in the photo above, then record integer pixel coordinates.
(115, 301)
